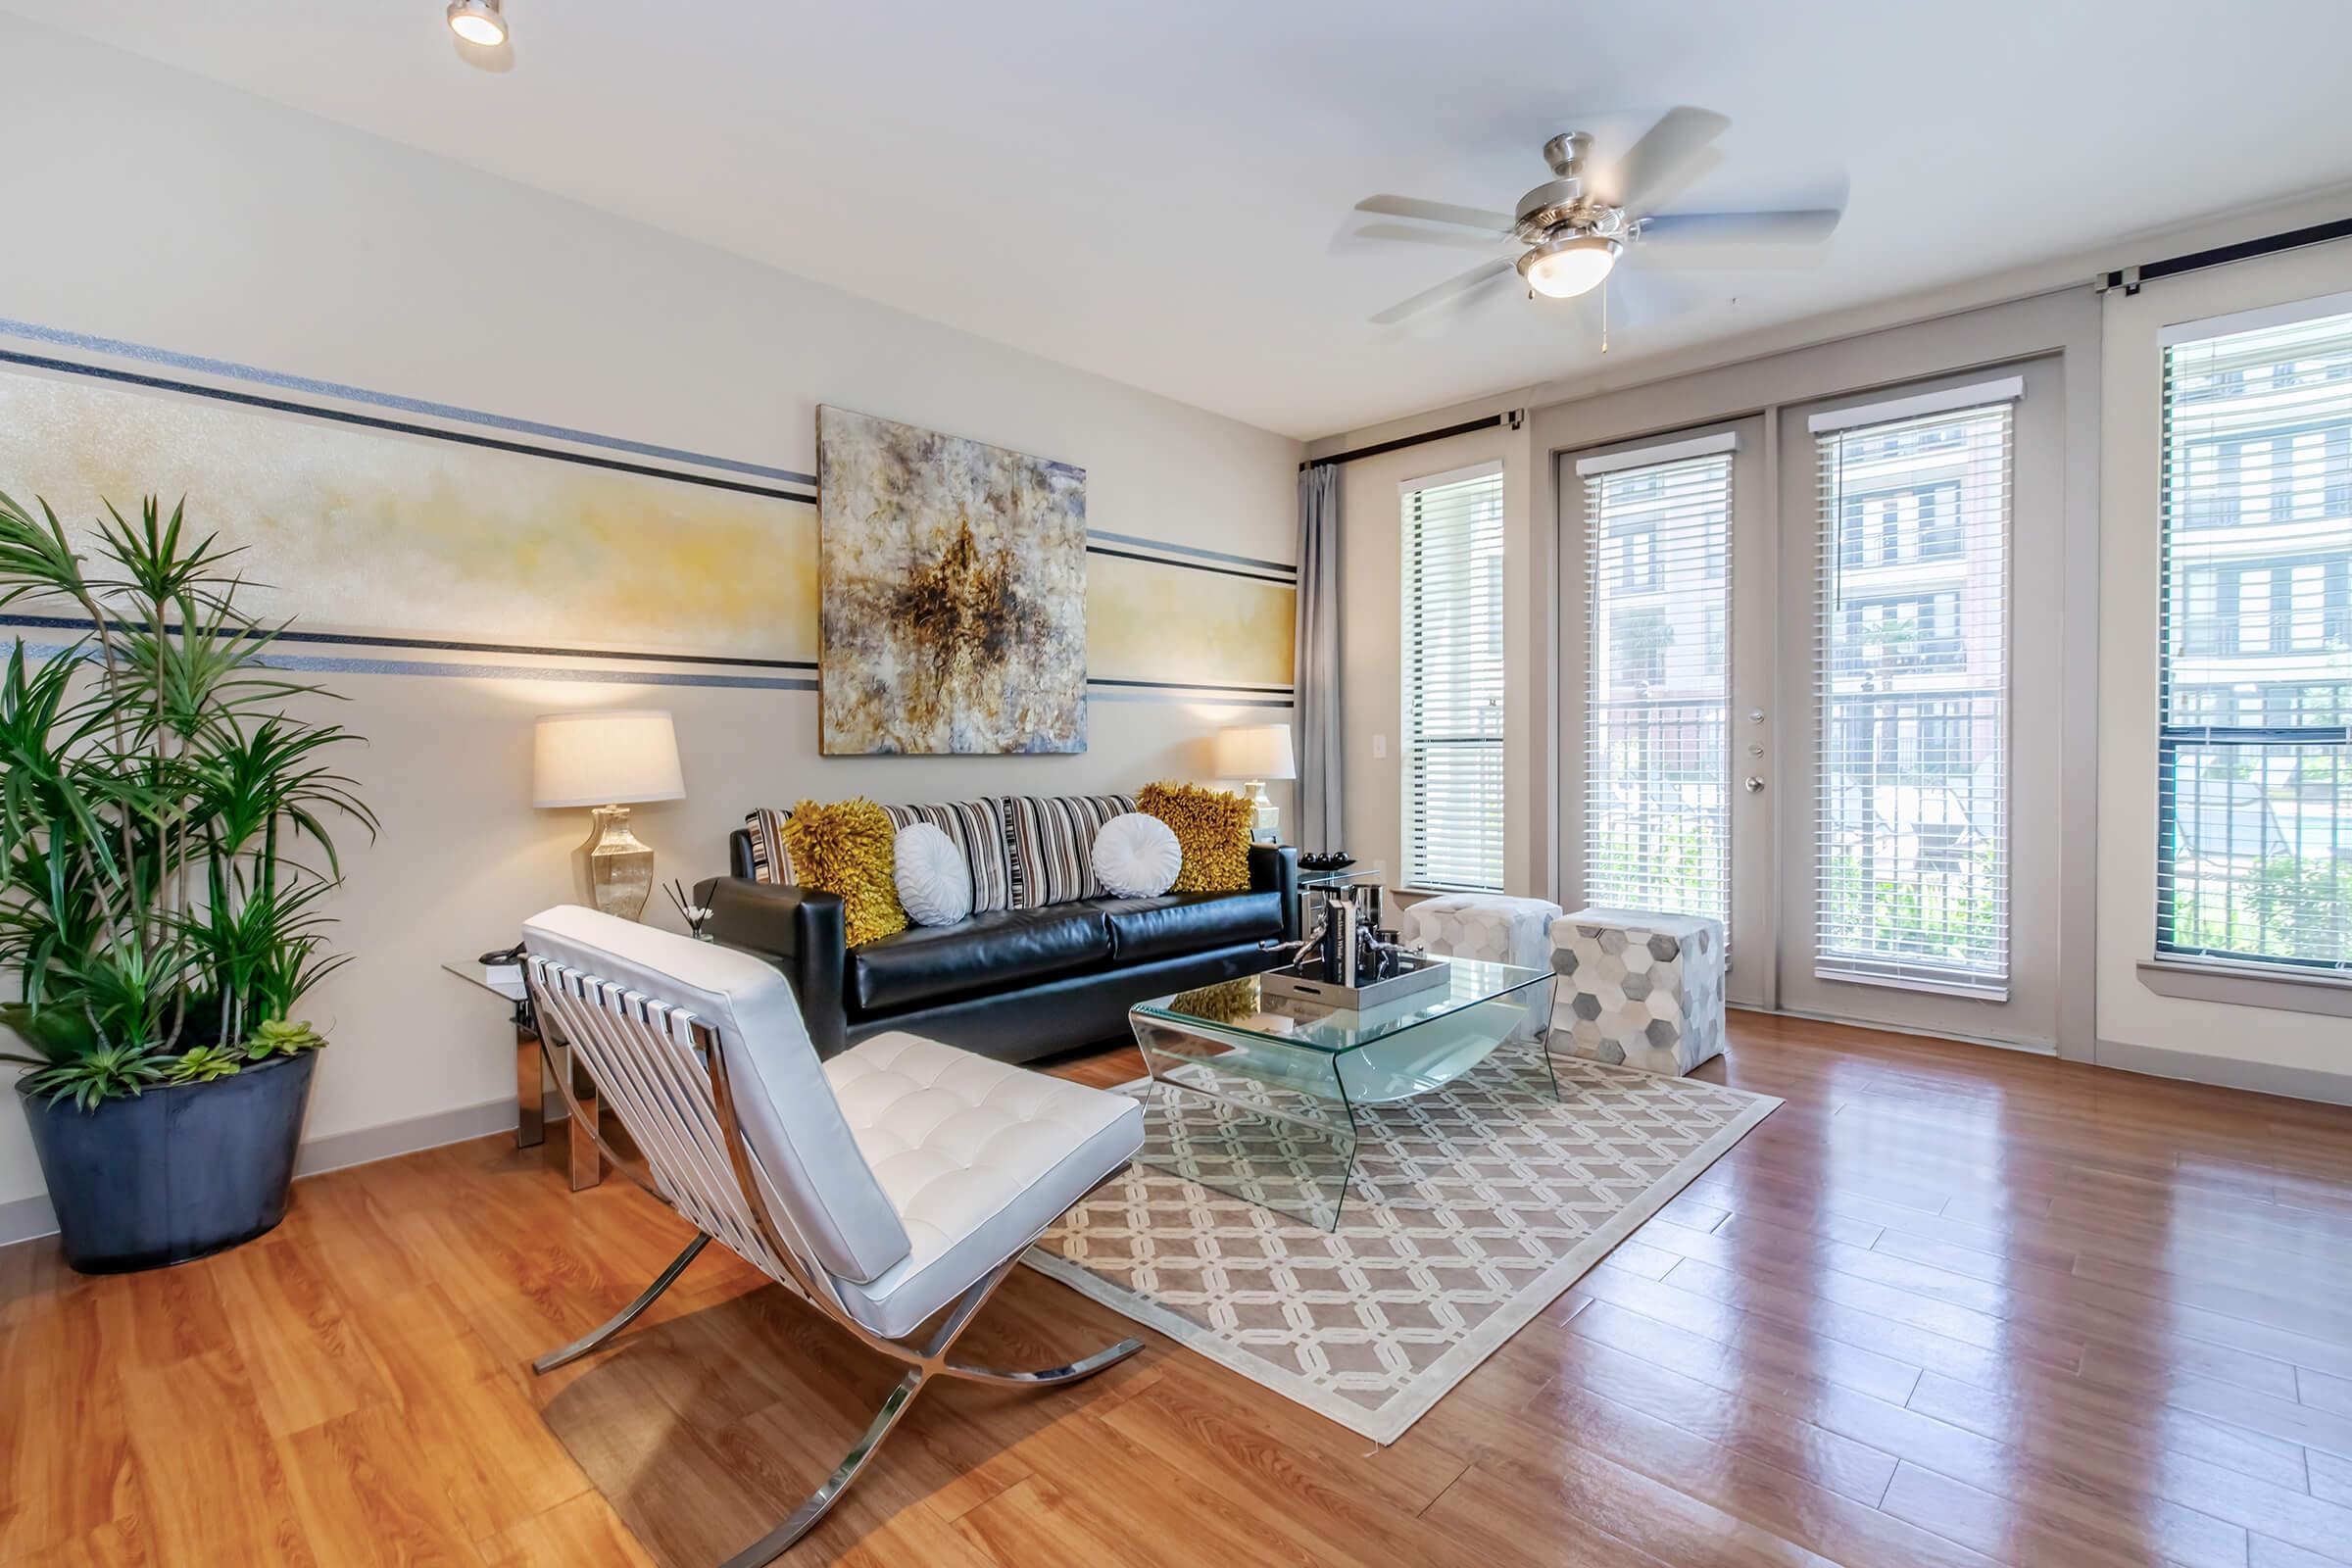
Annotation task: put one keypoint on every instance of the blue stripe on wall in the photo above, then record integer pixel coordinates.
(386, 400)
(230, 370)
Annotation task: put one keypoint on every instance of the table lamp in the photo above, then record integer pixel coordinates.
(1257, 752)
(605, 760)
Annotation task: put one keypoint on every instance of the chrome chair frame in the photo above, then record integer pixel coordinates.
(633, 1047)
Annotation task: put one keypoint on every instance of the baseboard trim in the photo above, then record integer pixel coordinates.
(2228, 1073)
(2027, 1047)
(26, 1218)
(366, 1145)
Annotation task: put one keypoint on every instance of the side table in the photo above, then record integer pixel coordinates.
(531, 1050)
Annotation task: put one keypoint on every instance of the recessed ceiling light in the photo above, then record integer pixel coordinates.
(479, 21)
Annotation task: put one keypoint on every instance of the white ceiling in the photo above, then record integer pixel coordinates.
(1159, 193)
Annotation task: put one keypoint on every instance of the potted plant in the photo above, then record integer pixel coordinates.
(164, 849)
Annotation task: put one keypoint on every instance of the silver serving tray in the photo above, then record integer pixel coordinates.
(1422, 973)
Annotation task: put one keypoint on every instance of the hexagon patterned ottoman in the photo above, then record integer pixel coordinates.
(1636, 989)
(1484, 925)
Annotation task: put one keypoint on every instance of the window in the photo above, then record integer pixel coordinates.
(2254, 770)
(1913, 883)
(1453, 781)
(1638, 560)
(1902, 631)
(1656, 768)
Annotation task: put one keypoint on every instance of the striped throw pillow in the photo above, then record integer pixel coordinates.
(771, 862)
(1054, 845)
(977, 828)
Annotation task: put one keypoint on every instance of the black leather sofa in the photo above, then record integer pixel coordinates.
(1013, 984)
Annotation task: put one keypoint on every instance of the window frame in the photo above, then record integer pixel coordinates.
(1415, 875)
(1694, 750)
(1910, 432)
(2203, 971)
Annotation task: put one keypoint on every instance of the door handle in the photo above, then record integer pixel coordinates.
(1752, 784)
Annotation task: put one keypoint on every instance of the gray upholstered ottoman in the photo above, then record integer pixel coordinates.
(1638, 989)
(1484, 925)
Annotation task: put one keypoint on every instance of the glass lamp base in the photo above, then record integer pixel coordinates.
(621, 866)
(1266, 817)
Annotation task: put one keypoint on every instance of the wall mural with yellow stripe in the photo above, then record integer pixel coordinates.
(420, 539)
(1151, 620)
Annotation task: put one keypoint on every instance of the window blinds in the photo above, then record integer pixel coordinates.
(2254, 772)
(1658, 552)
(1912, 870)
(1454, 775)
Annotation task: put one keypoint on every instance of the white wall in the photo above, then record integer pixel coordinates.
(2256, 1046)
(152, 207)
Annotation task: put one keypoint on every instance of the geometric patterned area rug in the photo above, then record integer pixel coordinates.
(1472, 1208)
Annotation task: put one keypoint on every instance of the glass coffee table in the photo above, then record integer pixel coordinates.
(1259, 1093)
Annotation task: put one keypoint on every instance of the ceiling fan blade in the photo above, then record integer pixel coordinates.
(1638, 299)
(1384, 206)
(1805, 226)
(1662, 162)
(1453, 288)
(1415, 234)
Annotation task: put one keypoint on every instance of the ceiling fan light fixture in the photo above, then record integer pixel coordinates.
(479, 21)
(1570, 265)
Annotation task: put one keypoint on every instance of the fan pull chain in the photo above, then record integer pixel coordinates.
(1604, 316)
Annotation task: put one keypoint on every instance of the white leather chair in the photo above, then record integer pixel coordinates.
(893, 1186)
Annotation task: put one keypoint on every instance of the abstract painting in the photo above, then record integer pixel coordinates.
(952, 594)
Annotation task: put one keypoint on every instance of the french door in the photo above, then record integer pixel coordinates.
(1807, 690)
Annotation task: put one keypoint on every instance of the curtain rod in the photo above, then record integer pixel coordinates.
(2130, 279)
(1509, 421)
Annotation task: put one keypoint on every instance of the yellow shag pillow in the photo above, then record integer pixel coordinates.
(1211, 828)
(849, 848)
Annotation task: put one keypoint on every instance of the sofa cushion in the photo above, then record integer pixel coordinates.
(977, 828)
(1137, 856)
(1213, 826)
(1177, 923)
(1052, 838)
(845, 849)
(992, 951)
(771, 860)
(935, 884)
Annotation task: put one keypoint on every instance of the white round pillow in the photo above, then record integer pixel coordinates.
(1137, 856)
(934, 883)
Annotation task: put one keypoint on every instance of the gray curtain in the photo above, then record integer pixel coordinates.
(1320, 749)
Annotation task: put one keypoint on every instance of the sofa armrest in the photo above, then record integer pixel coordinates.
(1274, 868)
(801, 931)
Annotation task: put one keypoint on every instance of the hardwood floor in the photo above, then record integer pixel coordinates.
(1947, 1307)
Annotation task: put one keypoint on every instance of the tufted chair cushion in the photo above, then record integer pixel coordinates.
(975, 1156)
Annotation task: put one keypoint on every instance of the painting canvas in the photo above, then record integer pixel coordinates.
(952, 594)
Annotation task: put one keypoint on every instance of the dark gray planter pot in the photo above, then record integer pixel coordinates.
(176, 1172)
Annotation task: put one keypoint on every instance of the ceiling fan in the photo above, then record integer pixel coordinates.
(1570, 231)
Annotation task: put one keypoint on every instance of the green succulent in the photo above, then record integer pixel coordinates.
(202, 1064)
(104, 1072)
(282, 1037)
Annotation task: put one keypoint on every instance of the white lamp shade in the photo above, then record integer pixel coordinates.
(1255, 752)
(605, 758)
